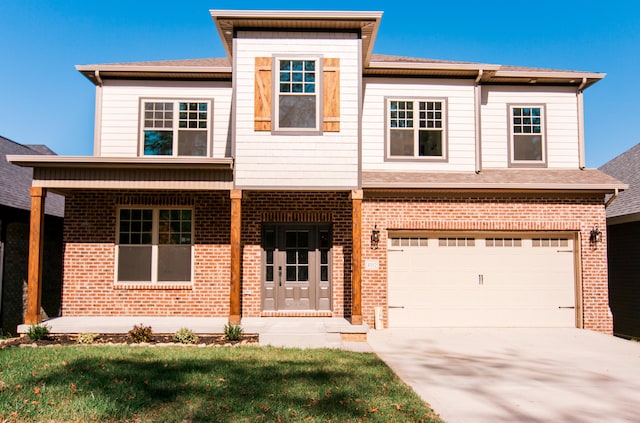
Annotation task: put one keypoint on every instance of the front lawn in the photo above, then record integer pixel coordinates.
(173, 384)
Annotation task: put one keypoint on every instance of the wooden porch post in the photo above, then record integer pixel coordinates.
(356, 257)
(36, 238)
(236, 256)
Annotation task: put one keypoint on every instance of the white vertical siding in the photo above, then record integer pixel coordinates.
(314, 161)
(561, 113)
(119, 133)
(460, 122)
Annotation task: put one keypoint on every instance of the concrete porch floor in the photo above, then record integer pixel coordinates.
(293, 332)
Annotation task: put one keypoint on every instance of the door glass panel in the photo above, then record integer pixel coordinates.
(324, 257)
(291, 256)
(324, 273)
(303, 273)
(291, 273)
(303, 257)
(269, 274)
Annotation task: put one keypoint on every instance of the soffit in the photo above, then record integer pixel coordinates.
(366, 23)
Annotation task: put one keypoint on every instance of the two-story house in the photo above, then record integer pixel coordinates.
(303, 175)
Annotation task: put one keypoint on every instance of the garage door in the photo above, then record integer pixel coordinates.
(490, 281)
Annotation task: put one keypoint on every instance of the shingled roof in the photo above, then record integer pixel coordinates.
(625, 167)
(16, 180)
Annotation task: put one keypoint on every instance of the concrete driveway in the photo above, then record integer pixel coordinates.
(517, 375)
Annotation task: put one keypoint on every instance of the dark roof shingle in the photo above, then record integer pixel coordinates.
(625, 167)
(16, 180)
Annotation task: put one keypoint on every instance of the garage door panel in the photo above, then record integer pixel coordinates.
(527, 285)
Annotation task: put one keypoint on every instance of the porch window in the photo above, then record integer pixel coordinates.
(176, 128)
(154, 245)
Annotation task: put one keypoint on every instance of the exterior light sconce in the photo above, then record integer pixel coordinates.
(595, 236)
(375, 237)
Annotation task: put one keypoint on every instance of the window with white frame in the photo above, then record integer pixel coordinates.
(297, 105)
(154, 245)
(527, 135)
(416, 129)
(176, 127)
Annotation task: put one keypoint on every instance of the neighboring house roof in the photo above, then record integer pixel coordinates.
(625, 167)
(519, 179)
(16, 180)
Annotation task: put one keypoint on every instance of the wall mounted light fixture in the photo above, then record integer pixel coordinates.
(375, 237)
(595, 236)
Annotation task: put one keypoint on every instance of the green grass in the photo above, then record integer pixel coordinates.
(245, 384)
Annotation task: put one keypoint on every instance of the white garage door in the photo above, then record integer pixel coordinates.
(482, 281)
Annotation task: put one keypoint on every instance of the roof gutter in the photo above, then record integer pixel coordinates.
(477, 92)
(613, 197)
(97, 76)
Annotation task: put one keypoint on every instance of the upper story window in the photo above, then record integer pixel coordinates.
(527, 146)
(297, 95)
(154, 245)
(297, 101)
(176, 128)
(416, 129)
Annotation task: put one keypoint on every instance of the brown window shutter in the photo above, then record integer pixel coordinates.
(262, 101)
(331, 96)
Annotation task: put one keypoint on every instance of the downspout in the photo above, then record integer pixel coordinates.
(477, 92)
(580, 101)
(97, 127)
(613, 197)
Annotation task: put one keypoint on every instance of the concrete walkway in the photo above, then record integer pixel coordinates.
(292, 332)
(517, 375)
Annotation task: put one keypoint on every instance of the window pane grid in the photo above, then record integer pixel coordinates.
(158, 115)
(527, 120)
(401, 114)
(174, 227)
(297, 76)
(136, 227)
(193, 115)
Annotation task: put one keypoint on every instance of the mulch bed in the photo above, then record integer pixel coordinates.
(124, 339)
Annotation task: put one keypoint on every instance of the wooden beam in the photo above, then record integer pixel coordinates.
(36, 244)
(356, 257)
(236, 257)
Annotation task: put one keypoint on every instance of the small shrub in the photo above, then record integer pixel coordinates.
(4, 335)
(233, 332)
(38, 332)
(185, 336)
(140, 333)
(87, 338)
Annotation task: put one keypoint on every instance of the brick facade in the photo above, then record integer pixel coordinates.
(490, 212)
(89, 257)
(90, 231)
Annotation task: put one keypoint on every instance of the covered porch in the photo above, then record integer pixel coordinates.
(88, 175)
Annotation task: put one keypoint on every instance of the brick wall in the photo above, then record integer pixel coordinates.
(624, 278)
(89, 256)
(475, 212)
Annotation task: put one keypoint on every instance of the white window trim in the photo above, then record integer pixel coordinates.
(155, 235)
(416, 129)
(176, 104)
(543, 133)
(276, 96)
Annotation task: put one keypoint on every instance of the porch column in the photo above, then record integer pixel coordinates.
(236, 256)
(36, 238)
(356, 257)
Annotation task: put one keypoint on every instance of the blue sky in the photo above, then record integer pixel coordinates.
(44, 100)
